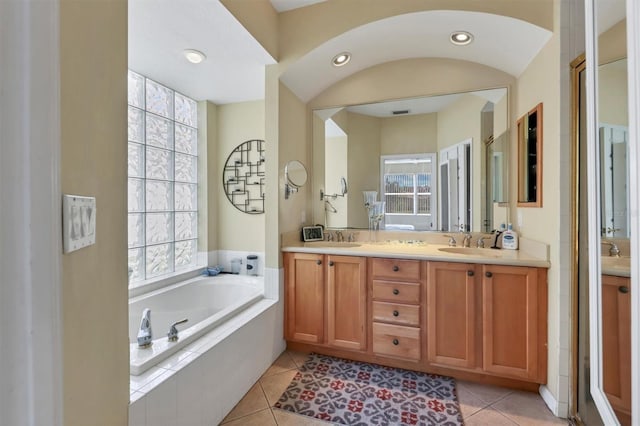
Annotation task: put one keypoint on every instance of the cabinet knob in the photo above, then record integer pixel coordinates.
(470, 273)
(396, 313)
(396, 342)
(318, 262)
(623, 289)
(488, 274)
(395, 268)
(396, 291)
(331, 263)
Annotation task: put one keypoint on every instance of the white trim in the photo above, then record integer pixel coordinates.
(593, 203)
(633, 72)
(548, 399)
(31, 390)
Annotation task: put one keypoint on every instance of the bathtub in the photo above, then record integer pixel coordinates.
(206, 302)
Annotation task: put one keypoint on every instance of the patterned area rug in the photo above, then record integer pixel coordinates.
(358, 393)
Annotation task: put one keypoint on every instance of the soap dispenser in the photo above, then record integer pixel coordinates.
(510, 239)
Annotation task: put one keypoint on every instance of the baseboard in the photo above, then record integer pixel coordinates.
(558, 409)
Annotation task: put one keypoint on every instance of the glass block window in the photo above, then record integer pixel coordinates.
(163, 179)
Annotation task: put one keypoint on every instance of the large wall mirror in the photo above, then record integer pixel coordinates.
(438, 163)
(604, 271)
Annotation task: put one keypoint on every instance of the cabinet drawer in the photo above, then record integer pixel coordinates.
(396, 340)
(396, 292)
(396, 313)
(396, 269)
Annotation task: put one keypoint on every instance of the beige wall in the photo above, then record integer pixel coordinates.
(336, 150)
(410, 134)
(541, 83)
(260, 19)
(613, 107)
(293, 132)
(612, 44)
(237, 123)
(93, 92)
(364, 165)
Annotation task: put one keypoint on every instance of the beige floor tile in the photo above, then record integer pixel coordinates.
(299, 357)
(488, 417)
(275, 384)
(252, 402)
(261, 418)
(283, 363)
(527, 408)
(486, 393)
(469, 402)
(284, 418)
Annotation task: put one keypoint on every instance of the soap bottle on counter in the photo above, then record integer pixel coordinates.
(510, 239)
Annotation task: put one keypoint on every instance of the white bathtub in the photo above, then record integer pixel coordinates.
(207, 302)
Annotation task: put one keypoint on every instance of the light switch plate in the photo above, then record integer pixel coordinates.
(78, 222)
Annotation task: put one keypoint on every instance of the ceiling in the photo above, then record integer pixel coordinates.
(159, 31)
(501, 42)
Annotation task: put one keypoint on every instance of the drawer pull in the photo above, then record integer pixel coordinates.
(623, 289)
(470, 273)
(396, 342)
(396, 313)
(395, 269)
(318, 262)
(331, 263)
(396, 291)
(488, 274)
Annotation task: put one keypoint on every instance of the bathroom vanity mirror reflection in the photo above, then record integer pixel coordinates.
(439, 163)
(613, 126)
(530, 158)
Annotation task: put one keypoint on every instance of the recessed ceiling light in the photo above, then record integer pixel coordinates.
(461, 38)
(341, 59)
(194, 56)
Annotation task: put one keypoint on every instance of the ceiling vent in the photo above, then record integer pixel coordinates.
(400, 112)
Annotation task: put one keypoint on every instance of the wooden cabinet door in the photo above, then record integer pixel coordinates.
(616, 342)
(514, 337)
(451, 314)
(346, 302)
(304, 297)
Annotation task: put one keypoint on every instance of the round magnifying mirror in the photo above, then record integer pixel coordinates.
(295, 173)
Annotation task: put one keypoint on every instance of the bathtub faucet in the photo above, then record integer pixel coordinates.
(145, 336)
(172, 335)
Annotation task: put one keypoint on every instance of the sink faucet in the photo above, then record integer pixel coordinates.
(351, 238)
(452, 240)
(614, 251)
(172, 335)
(329, 236)
(480, 243)
(466, 241)
(339, 236)
(145, 335)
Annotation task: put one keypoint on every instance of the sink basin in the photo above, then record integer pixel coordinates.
(471, 251)
(333, 244)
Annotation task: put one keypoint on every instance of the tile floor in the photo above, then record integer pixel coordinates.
(480, 404)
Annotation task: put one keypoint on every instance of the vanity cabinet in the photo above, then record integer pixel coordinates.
(452, 316)
(346, 302)
(616, 344)
(468, 320)
(514, 322)
(304, 283)
(396, 289)
(326, 293)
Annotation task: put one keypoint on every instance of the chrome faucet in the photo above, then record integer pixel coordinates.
(329, 236)
(466, 241)
(452, 240)
(172, 335)
(351, 238)
(339, 236)
(614, 251)
(145, 335)
(480, 243)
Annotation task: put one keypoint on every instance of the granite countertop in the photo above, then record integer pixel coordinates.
(423, 251)
(618, 266)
